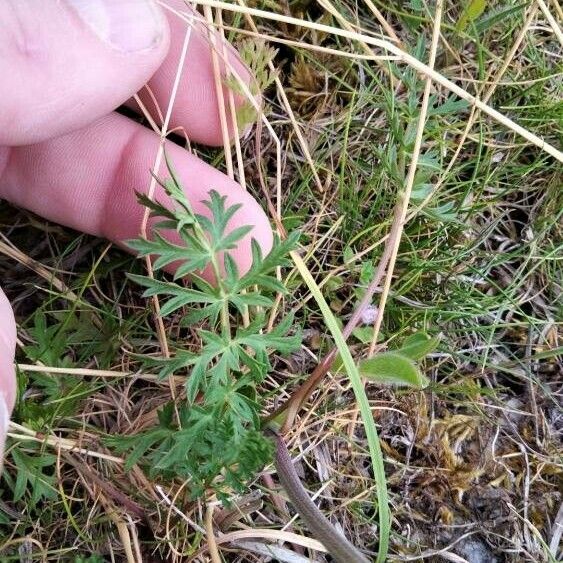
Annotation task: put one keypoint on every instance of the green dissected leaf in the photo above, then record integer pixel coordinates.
(257, 55)
(276, 339)
(231, 270)
(50, 342)
(191, 255)
(473, 9)
(169, 366)
(61, 339)
(254, 298)
(194, 383)
(210, 312)
(143, 443)
(229, 241)
(156, 208)
(418, 345)
(392, 368)
(35, 477)
(181, 296)
(205, 446)
(217, 226)
(212, 438)
(261, 266)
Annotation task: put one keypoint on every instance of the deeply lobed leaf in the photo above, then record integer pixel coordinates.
(213, 437)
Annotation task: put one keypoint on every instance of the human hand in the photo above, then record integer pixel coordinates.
(64, 153)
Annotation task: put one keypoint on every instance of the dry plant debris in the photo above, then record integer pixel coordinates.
(473, 461)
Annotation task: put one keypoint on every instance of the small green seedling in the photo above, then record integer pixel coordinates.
(213, 436)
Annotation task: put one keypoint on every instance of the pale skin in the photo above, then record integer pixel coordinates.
(67, 156)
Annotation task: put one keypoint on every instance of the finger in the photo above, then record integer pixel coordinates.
(7, 372)
(64, 64)
(196, 105)
(87, 180)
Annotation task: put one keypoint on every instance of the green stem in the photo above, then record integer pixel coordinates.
(376, 454)
(225, 324)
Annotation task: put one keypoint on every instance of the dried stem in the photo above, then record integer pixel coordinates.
(336, 544)
(406, 58)
(211, 542)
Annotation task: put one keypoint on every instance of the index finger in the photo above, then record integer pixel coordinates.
(7, 351)
(196, 104)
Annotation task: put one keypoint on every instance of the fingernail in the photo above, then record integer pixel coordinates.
(4, 422)
(126, 25)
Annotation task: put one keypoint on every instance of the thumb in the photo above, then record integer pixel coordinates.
(66, 63)
(7, 374)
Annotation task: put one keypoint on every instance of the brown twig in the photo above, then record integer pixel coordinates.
(121, 499)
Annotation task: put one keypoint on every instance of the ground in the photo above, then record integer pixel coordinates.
(473, 461)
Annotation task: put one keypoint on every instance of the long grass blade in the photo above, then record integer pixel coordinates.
(365, 411)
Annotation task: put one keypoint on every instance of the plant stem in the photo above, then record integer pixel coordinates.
(225, 324)
(337, 545)
(302, 393)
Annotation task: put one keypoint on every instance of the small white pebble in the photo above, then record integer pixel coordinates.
(369, 314)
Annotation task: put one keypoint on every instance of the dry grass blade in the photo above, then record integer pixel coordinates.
(469, 214)
(280, 554)
(405, 196)
(291, 115)
(272, 535)
(551, 20)
(87, 372)
(11, 251)
(406, 58)
(384, 24)
(152, 187)
(18, 432)
(219, 92)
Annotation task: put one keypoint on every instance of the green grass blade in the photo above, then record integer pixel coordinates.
(361, 398)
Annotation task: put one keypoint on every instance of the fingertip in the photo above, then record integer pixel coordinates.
(8, 381)
(196, 109)
(61, 66)
(111, 161)
(7, 352)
